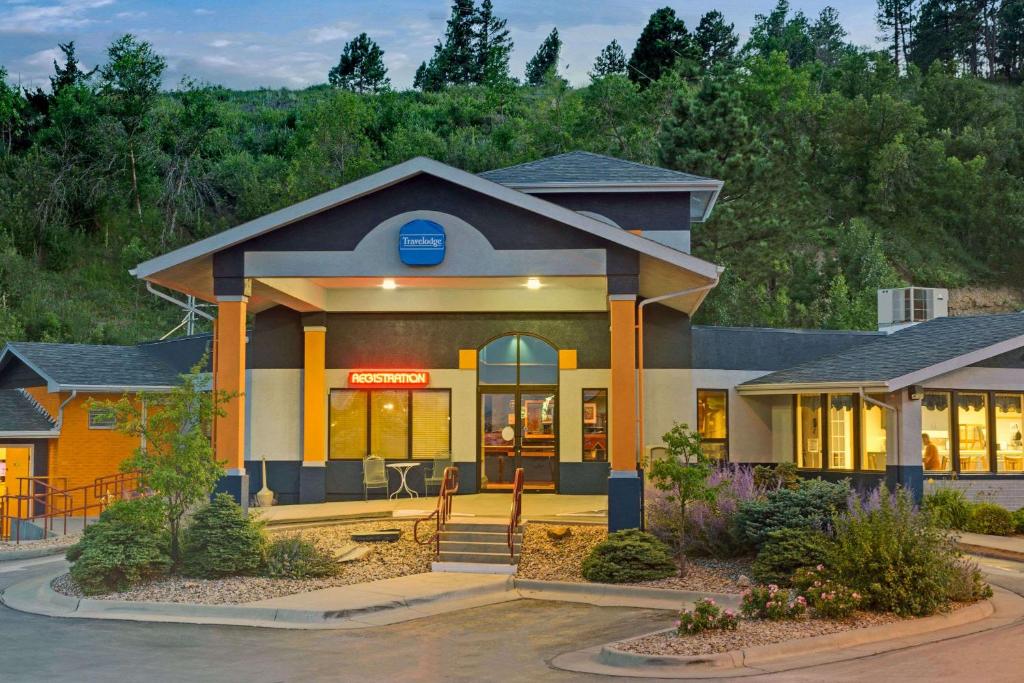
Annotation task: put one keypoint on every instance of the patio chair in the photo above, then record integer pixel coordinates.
(374, 476)
(436, 475)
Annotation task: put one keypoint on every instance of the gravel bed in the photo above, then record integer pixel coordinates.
(750, 633)
(385, 561)
(546, 559)
(52, 542)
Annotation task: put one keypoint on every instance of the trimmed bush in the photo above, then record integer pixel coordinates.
(296, 558)
(893, 555)
(949, 508)
(629, 556)
(788, 550)
(810, 506)
(128, 544)
(784, 475)
(1018, 521)
(222, 541)
(989, 518)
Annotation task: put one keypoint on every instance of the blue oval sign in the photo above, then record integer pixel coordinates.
(421, 243)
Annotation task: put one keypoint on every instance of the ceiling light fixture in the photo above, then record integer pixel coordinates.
(388, 284)
(533, 283)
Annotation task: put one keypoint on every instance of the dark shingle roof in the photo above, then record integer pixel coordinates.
(759, 348)
(88, 365)
(19, 414)
(904, 352)
(586, 167)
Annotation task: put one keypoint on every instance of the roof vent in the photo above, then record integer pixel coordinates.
(905, 306)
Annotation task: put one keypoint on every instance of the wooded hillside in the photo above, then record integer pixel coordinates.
(845, 169)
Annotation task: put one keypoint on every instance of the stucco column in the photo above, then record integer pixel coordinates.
(229, 376)
(313, 479)
(906, 468)
(625, 486)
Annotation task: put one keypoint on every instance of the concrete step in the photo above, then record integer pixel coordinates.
(480, 558)
(482, 536)
(471, 547)
(491, 527)
(473, 568)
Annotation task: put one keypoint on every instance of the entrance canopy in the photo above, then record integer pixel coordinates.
(503, 250)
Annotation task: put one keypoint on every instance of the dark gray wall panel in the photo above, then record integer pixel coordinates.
(282, 478)
(428, 340)
(16, 374)
(583, 478)
(1012, 360)
(667, 338)
(632, 210)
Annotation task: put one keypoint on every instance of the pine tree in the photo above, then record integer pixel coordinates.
(934, 36)
(71, 73)
(492, 47)
(454, 61)
(778, 32)
(895, 18)
(545, 60)
(1010, 41)
(715, 39)
(361, 67)
(828, 36)
(664, 40)
(612, 60)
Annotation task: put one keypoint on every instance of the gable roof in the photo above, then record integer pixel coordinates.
(580, 171)
(390, 176)
(906, 357)
(20, 416)
(93, 367)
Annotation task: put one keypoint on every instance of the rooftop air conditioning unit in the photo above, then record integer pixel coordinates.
(898, 308)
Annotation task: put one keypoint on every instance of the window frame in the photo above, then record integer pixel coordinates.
(102, 426)
(583, 426)
(724, 442)
(366, 392)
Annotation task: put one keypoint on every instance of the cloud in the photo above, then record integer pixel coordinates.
(202, 11)
(331, 32)
(63, 15)
(130, 15)
(221, 43)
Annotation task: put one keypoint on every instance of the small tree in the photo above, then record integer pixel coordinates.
(683, 475)
(612, 60)
(361, 67)
(176, 458)
(545, 61)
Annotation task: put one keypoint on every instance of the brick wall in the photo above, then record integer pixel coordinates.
(1006, 492)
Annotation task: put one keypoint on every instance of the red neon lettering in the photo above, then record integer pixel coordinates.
(392, 378)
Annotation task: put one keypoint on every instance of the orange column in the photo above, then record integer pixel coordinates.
(314, 397)
(229, 376)
(622, 310)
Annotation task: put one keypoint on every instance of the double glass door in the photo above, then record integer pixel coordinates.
(518, 428)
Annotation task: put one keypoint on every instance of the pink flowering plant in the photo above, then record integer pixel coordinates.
(772, 602)
(706, 616)
(827, 597)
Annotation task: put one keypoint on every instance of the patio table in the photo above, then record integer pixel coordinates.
(403, 471)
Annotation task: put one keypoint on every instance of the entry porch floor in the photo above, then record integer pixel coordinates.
(536, 507)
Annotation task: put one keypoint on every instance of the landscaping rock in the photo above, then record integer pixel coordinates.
(742, 581)
(557, 533)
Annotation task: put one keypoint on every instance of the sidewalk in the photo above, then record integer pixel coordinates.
(377, 603)
(1003, 547)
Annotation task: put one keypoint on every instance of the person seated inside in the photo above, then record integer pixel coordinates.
(932, 461)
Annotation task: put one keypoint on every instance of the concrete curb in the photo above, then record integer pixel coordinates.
(32, 553)
(989, 551)
(610, 660)
(611, 595)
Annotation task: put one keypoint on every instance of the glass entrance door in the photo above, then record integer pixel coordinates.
(518, 429)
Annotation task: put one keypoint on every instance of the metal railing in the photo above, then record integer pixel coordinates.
(48, 503)
(515, 514)
(442, 512)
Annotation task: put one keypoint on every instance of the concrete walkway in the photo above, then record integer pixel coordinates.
(1005, 547)
(536, 506)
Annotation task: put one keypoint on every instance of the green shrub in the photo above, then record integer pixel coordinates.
(893, 555)
(784, 475)
(949, 508)
(1018, 521)
(222, 541)
(706, 616)
(828, 598)
(966, 583)
(989, 518)
(629, 556)
(772, 602)
(810, 506)
(128, 544)
(296, 558)
(786, 551)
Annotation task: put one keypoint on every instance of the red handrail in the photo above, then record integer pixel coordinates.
(442, 512)
(516, 513)
(60, 502)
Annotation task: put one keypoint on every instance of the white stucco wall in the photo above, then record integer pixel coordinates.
(570, 397)
(980, 378)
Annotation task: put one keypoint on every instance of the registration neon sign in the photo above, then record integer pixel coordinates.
(388, 378)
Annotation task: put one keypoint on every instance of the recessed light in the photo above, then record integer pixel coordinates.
(388, 284)
(533, 283)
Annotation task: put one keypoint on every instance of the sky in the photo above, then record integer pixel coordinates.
(293, 43)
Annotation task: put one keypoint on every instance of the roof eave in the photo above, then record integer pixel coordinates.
(957, 363)
(15, 434)
(811, 387)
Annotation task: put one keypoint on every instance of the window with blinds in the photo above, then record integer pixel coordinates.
(389, 424)
(394, 424)
(431, 423)
(348, 424)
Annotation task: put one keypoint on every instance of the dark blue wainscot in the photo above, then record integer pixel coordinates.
(345, 479)
(579, 478)
(282, 478)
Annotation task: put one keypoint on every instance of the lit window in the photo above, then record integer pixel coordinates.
(936, 432)
(873, 437)
(1009, 414)
(384, 422)
(808, 429)
(102, 418)
(972, 418)
(348, 423)
(389, 424)
(595, 425)
(431, 423)
(713, 422)
(840, 431)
